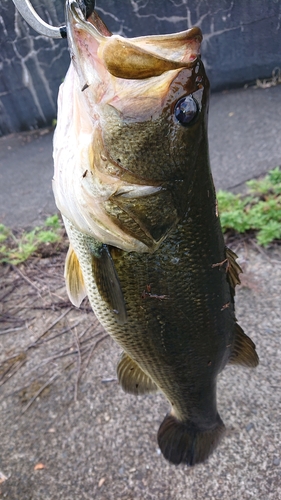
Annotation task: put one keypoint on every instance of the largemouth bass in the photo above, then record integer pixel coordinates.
(133, 183)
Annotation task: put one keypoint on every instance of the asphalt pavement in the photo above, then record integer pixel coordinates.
(244, 138)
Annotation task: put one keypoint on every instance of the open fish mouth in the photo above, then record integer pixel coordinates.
(134, 58)
(114, 83)
(123, 58)
(119, 93)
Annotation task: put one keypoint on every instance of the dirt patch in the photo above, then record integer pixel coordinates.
(67, 429)
(42, 333)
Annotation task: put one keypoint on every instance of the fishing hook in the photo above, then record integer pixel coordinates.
(31, 17)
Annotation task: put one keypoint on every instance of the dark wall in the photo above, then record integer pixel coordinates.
(242, 42)
(32, 68)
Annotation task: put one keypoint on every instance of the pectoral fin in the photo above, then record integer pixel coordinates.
(74, 280)
(132, 379)
(243, 350)
(108, 284)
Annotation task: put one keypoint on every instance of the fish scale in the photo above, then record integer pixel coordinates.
(135, 271)
(133, 182)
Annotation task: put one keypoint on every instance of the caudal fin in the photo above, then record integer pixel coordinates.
(185, 442)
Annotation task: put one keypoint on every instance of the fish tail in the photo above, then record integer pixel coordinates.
(184, 442)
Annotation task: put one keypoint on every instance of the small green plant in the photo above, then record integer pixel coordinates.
(15, 249)
(4, 233)
(259, 210)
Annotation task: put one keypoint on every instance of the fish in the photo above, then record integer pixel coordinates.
(133, 183)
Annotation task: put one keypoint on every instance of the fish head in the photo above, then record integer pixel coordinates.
(132, 118)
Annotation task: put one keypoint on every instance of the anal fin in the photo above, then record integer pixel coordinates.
(131, 377)
(74, 280)
(108, 283)
(243, 350)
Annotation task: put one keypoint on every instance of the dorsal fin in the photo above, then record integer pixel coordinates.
(233, 269)
(243, 350)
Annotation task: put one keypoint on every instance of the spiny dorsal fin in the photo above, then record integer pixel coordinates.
(243, 350)
(74, 280)
(131, 377)
(108, 283)
(233, 268)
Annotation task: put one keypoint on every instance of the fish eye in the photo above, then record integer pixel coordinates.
(186, 109)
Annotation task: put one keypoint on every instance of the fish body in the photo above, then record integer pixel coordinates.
(133, 182)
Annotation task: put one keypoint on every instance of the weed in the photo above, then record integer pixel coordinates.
(4, 233)
(259, 210)
(15, 249)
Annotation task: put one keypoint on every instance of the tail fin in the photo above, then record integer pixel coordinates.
(187, 443)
